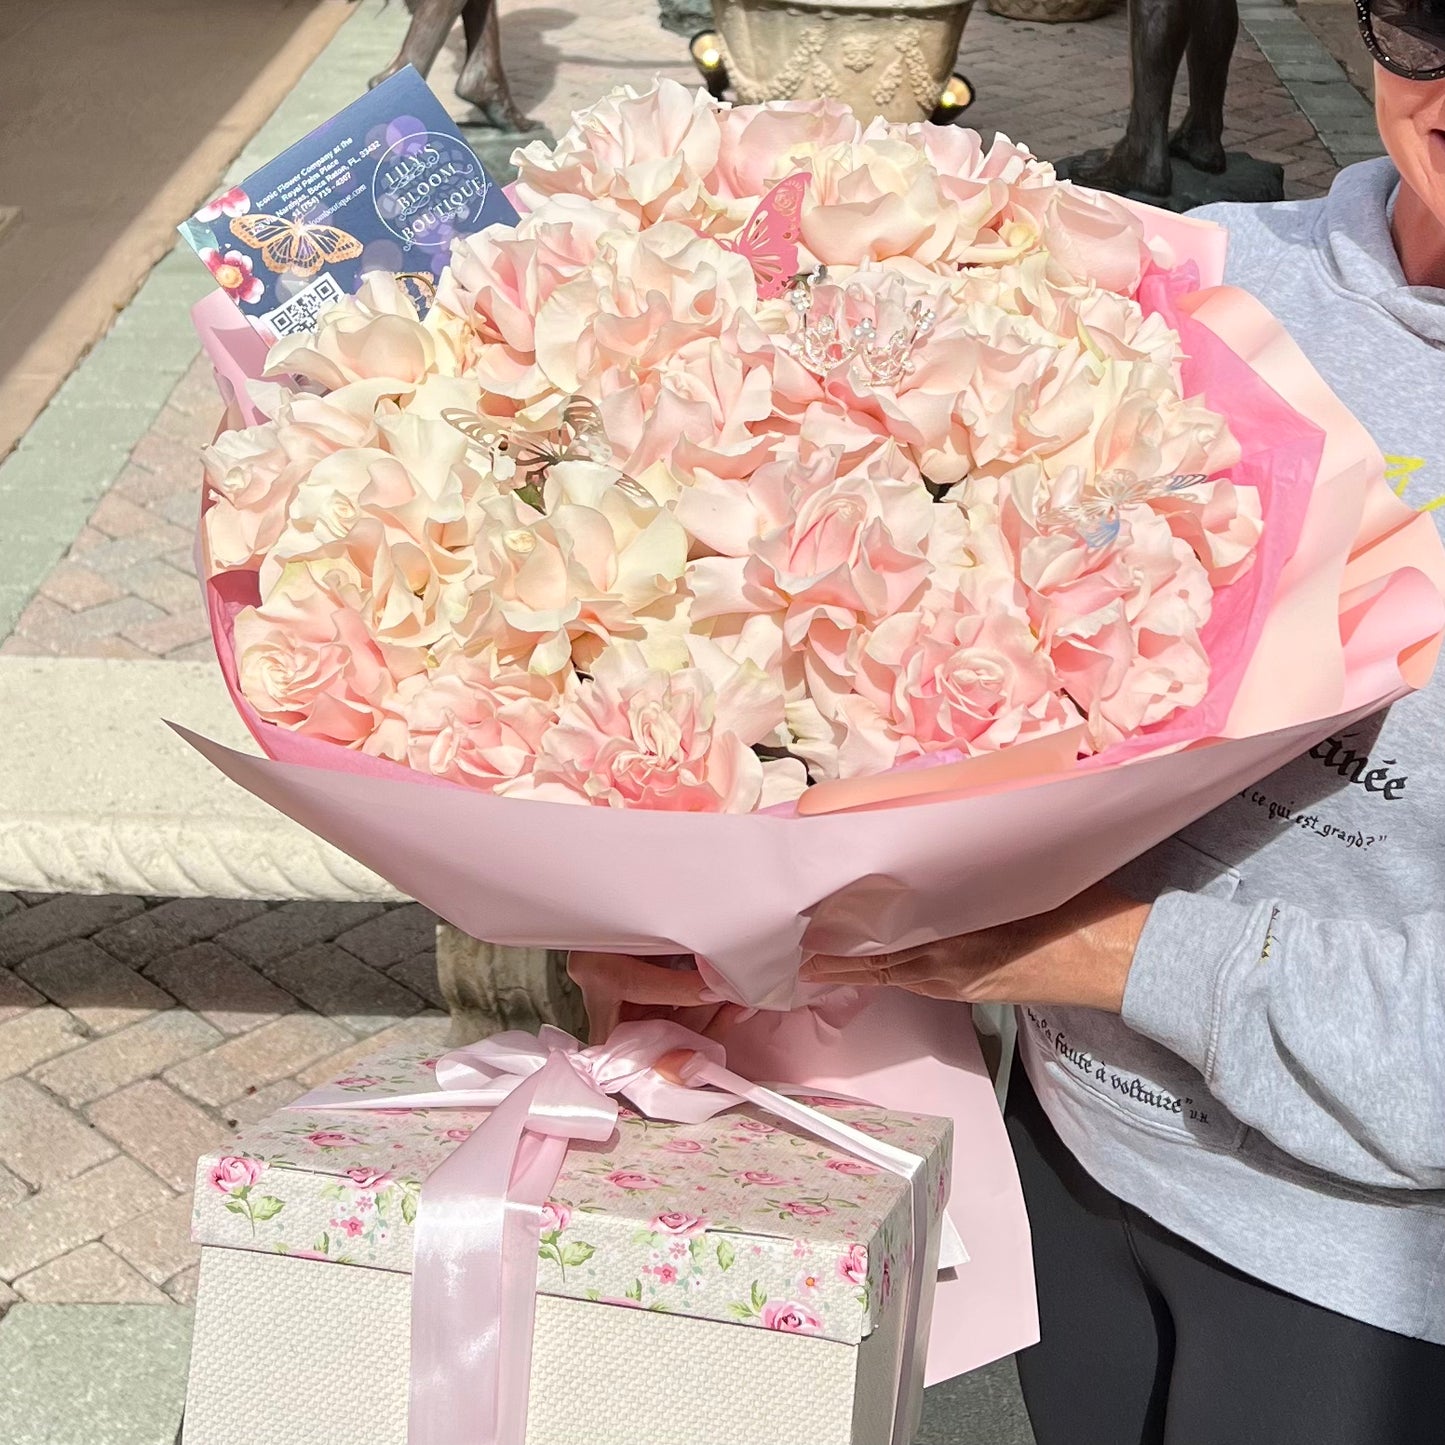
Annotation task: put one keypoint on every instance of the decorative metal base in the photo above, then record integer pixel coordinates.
(1243, 179)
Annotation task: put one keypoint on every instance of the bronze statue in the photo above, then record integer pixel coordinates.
(1161, 34)
(482, 81)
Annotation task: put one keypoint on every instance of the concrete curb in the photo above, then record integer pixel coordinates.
(101, 797)
(1341, 116)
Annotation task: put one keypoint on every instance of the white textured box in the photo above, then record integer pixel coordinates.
(291, 1351)
(731, 1282)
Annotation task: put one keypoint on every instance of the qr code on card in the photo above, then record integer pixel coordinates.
(300, 312)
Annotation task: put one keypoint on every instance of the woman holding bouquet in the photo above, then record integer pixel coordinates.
(1230, 1123)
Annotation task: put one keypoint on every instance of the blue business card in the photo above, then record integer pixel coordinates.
(386, 185)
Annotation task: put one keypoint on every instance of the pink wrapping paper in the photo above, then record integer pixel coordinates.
(1342, 614)
(906, 1052)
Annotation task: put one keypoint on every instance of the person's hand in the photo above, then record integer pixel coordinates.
(1078, 955)
(618, 988)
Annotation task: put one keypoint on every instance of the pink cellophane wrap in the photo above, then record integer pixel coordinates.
(1341, 615)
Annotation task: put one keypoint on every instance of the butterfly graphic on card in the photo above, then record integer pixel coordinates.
(769, 241)
(1096, 517)
(295, 248)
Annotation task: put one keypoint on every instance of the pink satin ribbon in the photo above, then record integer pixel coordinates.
(474, 1274)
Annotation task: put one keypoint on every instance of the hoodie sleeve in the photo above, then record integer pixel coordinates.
(1327, 1036)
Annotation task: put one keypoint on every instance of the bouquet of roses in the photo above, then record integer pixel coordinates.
(780, 466)
(798, 536)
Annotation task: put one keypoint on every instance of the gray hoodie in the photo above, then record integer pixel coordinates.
(1275, 1089)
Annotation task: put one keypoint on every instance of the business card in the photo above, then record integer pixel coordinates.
(386, 185)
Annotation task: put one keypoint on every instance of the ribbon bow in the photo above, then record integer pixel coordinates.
(474, 1269)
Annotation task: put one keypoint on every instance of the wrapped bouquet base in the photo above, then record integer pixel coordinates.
(733, 1279)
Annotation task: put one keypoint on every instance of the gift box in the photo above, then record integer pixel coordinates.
(734, 1280)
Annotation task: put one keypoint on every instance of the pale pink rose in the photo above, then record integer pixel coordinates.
(456, 1136)
(414, 478)
(676, 1222)
(637, 736)
(232, 1172)
(358, 1081)
(498, 281)
(648, 297)
(251, 480)
(411, 593)
(632, 1179)
(806, 1209)
(370, 336)
(712, 403)
(853, 1264)
(311, 665)
(368, 1178)
(856, 1167)
(759, 145)
(330, 1139)
(475, 720)
(990, 189)
(555, 1218)
(1123, 621)
(928, 681)
(953, 345)
(1093, 237)
(791, 1317)
(1221, 524)
(760, 1177)
(683, 1146)
(587, 569)
(253, 473)
(875, 199)
(642, 153)
(831, 553)
(757, 1126)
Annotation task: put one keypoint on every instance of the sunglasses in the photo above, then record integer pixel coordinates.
(1407, 37)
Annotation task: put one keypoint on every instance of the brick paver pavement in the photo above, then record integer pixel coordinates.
(134, 1033)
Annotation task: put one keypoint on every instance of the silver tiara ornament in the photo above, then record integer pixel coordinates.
(822, 343)
(1097, 516)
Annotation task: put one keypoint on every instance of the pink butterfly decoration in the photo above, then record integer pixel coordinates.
(769, 241)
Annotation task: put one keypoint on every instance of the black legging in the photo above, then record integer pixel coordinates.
(1147, 1340)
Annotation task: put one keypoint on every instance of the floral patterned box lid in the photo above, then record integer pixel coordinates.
(741, 1218)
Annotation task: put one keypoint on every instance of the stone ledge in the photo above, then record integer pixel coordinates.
(97, 795)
